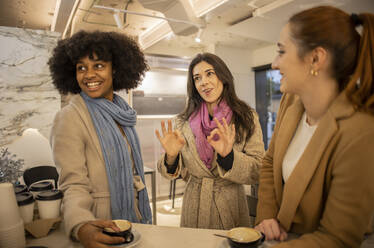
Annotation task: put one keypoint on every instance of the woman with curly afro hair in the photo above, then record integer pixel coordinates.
(93, 138)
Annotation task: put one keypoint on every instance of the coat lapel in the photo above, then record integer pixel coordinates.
(287, 129)
(304, 170)
(86, 117)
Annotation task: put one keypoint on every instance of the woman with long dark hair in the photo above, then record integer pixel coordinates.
(217, 143)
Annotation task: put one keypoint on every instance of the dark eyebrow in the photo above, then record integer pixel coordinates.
(280, 44)
(207, 70)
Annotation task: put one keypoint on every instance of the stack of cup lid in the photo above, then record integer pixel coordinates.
(20, 188)
(26, 201)
(39, 187)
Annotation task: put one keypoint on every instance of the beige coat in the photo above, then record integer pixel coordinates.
(215, 198)
(83, 179)
(329, 196)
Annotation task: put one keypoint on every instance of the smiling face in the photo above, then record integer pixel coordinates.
(294, 70)
(207, 84)
(94, 77)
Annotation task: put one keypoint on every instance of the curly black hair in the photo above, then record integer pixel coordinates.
(127, 59)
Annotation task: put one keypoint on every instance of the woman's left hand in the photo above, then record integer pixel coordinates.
(225, 138)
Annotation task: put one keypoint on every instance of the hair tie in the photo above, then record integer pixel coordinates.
(356, 20)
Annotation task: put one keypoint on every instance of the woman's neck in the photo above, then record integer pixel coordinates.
(318, 100)
(210, 107)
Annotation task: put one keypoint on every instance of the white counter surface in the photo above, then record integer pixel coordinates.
(151, 236)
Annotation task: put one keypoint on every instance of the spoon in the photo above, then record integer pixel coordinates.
(225, 236)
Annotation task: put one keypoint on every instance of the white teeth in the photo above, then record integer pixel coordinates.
(94, 84)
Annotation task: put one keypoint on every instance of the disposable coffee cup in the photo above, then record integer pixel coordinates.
(125, 231)
(38, 187)
(26, 204)
(9, 213)
(20, 188)
(49, 203)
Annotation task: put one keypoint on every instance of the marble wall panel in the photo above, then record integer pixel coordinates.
(27, 97)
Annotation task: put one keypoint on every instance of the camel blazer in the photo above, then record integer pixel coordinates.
(215, 198)
(329, 196)
(83, 179)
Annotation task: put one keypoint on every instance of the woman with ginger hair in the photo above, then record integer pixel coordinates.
(316, 179)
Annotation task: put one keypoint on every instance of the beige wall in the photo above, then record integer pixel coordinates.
(239, 62)
(265, 55)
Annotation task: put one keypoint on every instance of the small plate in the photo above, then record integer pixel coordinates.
(136, 240)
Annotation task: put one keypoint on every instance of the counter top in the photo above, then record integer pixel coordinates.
(151, 236)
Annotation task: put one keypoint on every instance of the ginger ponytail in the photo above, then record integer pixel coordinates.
(360, 88)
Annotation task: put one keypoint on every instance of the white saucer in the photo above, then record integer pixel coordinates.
(136, 241)
(267, 244)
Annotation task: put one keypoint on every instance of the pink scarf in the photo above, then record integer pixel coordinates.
(201, 127)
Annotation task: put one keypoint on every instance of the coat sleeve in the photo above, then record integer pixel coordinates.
(350, 200)
(161, 167)
(68, 146)
(267, 207)
(161, 164)
(246, 164)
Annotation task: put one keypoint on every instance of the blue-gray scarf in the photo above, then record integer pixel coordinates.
(105, 114)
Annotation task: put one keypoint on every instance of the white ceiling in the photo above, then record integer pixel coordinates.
(246, 24)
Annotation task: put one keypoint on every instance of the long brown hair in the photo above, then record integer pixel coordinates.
(352, 63)
(242, 113)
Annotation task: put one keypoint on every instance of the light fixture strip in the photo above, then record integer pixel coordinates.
(55, 14)
(155, 34)
(269, 7)
(118, 20)
(148, 15)
(71, 16)
(202, 7)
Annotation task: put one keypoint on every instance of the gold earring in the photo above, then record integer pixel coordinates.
(313, 72)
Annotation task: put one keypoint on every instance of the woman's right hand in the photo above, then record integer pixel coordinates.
(91, 234)
(272, 230)
(171, 140)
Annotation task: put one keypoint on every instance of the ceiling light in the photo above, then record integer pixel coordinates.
(198, 35)
(118, 20)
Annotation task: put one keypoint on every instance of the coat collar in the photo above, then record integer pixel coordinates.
(290, 194)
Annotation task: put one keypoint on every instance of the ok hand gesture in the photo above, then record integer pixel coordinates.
(225, 138)
(171, 141)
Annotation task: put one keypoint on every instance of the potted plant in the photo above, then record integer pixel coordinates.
(10, 167)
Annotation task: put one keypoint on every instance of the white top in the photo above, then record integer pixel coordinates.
(300, 140)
